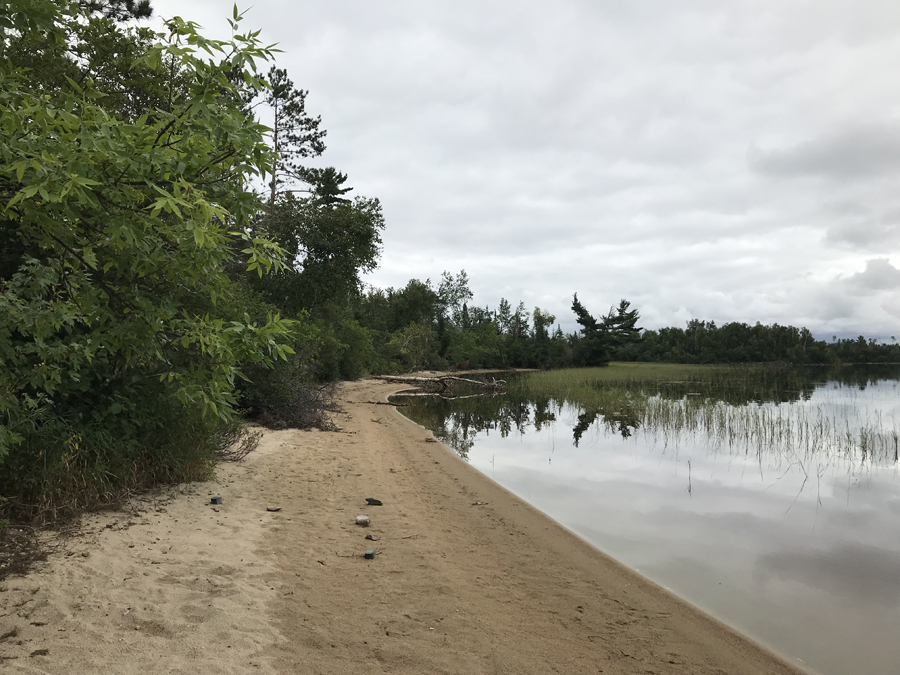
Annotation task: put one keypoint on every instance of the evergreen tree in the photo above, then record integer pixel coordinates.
(295, 134)
(504, 316)
(453, 293)
(599, 338)
(327, 186)
(592, 346)
(118, 10)
(620, 324)
(519, 329)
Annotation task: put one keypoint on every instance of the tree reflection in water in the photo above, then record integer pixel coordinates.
(736, 406)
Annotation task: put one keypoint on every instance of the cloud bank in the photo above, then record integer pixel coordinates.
(725, 161)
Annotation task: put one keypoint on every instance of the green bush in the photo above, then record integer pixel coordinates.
(77, 456)
(122, 212)
(345, 350)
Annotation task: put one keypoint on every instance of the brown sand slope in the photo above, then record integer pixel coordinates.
(468, 578)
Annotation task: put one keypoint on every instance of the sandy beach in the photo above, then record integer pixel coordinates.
(467, 578)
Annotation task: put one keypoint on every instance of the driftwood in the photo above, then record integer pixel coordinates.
(443, 381)
(410, 393)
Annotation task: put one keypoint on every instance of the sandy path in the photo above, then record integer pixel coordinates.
(468, 578)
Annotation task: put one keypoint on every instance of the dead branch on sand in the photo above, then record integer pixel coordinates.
(443, 382)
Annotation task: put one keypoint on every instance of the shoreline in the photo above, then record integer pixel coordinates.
(468, 578)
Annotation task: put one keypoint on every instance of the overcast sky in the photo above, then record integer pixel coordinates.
(733, 161)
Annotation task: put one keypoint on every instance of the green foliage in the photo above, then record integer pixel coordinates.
(327, 186)
(599, 338)
(415, 344)
(71, 457)
(515, 337)
(330, 243)
(124, 233)
(453, 295)
(705, 342)
(123, 206)
(418, 327)
(345, 352)
(120, 10)
(393, 309)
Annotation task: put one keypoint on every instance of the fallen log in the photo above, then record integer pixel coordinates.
(442, 381)
(444, 396)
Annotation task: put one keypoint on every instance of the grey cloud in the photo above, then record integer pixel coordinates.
(892, 307)
(859, 226)
(853, 152)
(879, 275)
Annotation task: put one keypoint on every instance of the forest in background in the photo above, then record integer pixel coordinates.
(171, 266)
(423, 326)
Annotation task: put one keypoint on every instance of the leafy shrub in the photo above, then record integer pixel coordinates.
(122, 207)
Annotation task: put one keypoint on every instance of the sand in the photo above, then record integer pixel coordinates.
(467, 577)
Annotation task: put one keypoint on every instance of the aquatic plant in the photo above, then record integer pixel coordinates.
(762, 410)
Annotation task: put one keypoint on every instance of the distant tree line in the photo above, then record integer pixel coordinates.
(705, 342)
(426, 326)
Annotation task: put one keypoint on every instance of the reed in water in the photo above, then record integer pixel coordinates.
(751, 410)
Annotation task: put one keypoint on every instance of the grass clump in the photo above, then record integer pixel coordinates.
(79, 455)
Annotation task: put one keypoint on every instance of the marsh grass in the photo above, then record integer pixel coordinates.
(766, 411)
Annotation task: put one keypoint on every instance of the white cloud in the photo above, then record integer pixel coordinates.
(727, 161)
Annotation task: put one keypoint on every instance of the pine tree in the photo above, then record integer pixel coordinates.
(295, 134)
(598, 338)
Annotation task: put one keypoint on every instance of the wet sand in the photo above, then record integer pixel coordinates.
(467, 577)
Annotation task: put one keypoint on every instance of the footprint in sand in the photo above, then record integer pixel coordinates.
(195, 614)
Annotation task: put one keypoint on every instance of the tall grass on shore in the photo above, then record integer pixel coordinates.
(68, 464)
(742, 409)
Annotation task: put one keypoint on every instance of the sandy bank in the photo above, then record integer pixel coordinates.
(468, 578)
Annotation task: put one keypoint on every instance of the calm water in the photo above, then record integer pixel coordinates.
(797, 547)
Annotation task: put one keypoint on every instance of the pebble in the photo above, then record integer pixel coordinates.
(372, 537)
(369, 555)
(363, 521)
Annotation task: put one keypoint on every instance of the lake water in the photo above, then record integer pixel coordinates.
(798, 547)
